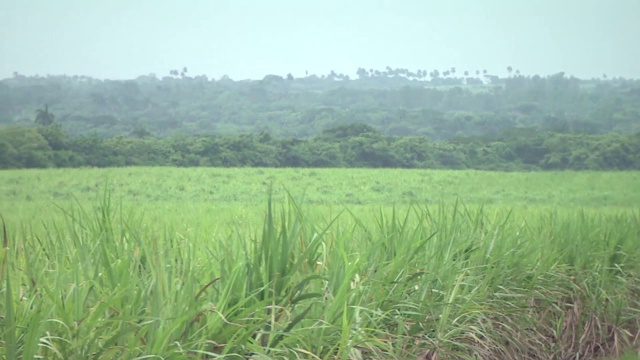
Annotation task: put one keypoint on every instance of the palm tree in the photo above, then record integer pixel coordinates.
(362, 73)
(510, 70)
(44, 117)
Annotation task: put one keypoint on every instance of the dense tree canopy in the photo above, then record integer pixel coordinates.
(391, 118)
(395, 102)
(355, 145)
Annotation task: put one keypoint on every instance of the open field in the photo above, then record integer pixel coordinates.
(368, 264)
(225, 192)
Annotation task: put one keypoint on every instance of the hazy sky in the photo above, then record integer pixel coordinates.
(122, 39)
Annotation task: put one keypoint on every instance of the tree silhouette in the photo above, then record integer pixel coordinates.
(140, 132)
(362, 73)
(510, 70)
(44, 117)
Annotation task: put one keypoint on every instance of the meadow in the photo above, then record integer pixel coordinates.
(318, 264)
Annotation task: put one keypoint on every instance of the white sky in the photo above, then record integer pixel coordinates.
(121, 39)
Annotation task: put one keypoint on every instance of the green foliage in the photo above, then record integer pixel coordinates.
(393, 118)
(105, 281)
(354, 145)
(395, 102)
(25, 148)
(44, 117)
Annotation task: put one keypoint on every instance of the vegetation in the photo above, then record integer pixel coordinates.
(44, 117)
(395, 102)
(358, 263)
(355, 145)
(391, 118)
(175, 276)
(171, 192)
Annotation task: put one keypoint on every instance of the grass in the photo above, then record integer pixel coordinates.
(192, 196)
(105, 278)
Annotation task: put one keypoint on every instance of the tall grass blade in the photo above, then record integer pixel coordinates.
(10, 344)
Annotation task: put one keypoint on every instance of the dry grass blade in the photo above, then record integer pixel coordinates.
(428, 355)
(205, 287)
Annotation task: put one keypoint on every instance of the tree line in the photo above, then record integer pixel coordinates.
(351, 145)
(395, 102)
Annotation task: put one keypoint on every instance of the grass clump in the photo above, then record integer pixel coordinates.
(428, 282)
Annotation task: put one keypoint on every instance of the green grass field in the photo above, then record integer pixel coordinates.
(355, 264)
